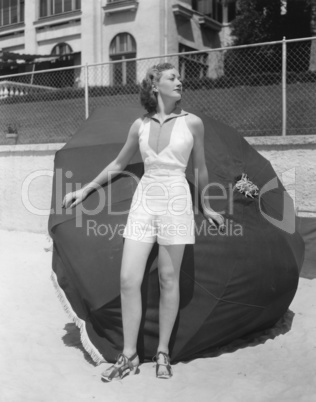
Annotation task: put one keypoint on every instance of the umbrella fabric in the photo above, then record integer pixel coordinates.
(231, 283)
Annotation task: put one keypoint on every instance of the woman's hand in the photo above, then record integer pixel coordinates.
(214, 218)
(74, 198)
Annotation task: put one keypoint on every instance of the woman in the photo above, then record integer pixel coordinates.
(161, 209)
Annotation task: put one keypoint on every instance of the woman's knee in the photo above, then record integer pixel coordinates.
(168, 280)
(129, 283)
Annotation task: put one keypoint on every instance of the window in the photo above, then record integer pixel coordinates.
(123, 44)
(217, 12)
(203, 6)
(61, 49)
(52, 7)
(123, 47)
(231, 10)
(192, 65)
(62, 78)
(210, 8)
(11, 12)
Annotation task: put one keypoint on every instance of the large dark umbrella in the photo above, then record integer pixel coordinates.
(232, 283)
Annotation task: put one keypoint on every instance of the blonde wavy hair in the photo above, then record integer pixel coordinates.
(148, 98)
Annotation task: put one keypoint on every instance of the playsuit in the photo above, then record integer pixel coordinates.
(161, 208)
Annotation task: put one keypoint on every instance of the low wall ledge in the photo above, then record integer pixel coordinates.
(26, 148)
(289, 140)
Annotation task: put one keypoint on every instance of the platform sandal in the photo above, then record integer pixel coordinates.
(166, 363)
(122, 368)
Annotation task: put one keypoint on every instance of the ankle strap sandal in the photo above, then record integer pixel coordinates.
(166, 364)
(122, 368)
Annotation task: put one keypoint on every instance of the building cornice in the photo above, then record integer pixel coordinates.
(121, 6)
(208, 22)
(180, 10)
(65, 39)
(57, 19)
(12, 29)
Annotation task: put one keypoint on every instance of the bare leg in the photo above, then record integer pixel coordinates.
(134, 260)
(169, 264)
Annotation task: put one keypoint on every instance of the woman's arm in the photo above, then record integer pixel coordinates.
(111, 170)
(196, 127)
(120, 162)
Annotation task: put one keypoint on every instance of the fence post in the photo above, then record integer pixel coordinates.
(86, 90)
(284, 106)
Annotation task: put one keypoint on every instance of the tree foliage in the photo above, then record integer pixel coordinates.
(263, 20)
(298, 19)
(313, 17)
(266, 21)
(257, 21)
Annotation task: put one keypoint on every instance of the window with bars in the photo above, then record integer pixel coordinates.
(192, 65)
(53, 7)
(11, 12)
(123, 47)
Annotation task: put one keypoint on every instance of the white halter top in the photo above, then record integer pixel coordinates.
(175, 155)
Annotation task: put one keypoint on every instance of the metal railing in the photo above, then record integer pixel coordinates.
(262, 89)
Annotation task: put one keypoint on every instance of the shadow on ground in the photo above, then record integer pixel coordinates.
(72, 339)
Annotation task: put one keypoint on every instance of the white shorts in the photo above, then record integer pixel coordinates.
(161, 210)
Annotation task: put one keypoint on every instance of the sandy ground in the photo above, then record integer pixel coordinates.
(42, 359)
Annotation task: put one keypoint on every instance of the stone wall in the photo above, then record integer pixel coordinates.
(294, 160)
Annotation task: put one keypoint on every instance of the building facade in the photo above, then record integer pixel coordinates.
(99, 31)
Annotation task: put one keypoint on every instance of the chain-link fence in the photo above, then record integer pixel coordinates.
(265, 89)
